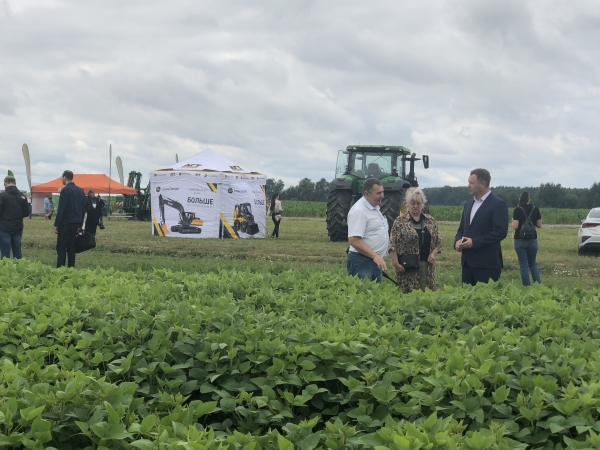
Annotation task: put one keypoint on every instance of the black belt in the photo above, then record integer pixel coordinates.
(360, 254)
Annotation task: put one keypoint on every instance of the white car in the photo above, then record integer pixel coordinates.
(588, 239)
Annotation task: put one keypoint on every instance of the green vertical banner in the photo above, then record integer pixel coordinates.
(109, 176)
(27, 164)
(119, 164)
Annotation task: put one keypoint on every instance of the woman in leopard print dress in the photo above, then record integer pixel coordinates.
(415, 233)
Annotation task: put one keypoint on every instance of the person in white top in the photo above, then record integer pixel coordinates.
(368, 234)
(275, 209)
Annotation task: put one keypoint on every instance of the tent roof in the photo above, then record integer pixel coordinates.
(98, 182)
(208, 160)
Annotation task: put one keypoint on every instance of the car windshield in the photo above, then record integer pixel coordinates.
(594, 214)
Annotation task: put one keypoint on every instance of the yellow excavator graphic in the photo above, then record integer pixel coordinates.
(188, 222)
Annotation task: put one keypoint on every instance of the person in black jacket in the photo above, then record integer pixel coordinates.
(93, 207)
(69, 219)
(13, 208)
(483, 226)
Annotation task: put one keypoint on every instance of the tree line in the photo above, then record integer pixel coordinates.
(547, 195)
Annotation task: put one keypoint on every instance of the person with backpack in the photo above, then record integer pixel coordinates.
(526, 218)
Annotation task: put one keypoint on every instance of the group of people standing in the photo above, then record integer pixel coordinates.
(415, 241)
(73, 205)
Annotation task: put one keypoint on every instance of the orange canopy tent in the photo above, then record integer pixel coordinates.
(98, 182)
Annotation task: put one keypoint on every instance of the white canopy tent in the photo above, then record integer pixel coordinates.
(208, 196)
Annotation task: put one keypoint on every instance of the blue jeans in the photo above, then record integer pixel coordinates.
(526, 252)
(363, 267)
(10, 241)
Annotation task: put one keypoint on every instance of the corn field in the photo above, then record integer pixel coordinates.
(550, 216)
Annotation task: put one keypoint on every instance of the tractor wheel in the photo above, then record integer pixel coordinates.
(391, 206)
(244, 226)
(236, 225)
(146, 215)
(338, 205)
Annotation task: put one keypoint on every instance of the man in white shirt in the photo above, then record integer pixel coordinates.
(368, 234)
(483, 226)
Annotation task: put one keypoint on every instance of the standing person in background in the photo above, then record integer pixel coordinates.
(13, 208)
(93, 207)
(48, 206)
(275, 209)
(69, 219)
(527, 247)
(368, 234)
(483, 226)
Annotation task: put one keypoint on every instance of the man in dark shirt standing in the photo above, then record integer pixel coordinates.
(13, 207)
(69, 219)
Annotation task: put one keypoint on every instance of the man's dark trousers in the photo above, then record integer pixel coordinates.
(65, 244)
(473, 276)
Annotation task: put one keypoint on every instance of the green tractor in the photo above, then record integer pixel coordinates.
(137, 205)
(359, 162)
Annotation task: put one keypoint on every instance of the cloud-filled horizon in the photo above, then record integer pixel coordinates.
(280, 87)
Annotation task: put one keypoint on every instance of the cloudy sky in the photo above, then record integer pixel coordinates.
(281, 86)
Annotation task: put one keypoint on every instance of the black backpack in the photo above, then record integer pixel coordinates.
(527, 230)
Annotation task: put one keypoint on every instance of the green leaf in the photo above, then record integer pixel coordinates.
(283, 443)
(277, 367)
(105, 430)
(501, 394)
(205, 408)
(31, 413)
(148, 423)
(309, 442)
(144, 444)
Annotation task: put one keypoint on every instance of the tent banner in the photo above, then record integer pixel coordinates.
(243, 206)
(185, 204)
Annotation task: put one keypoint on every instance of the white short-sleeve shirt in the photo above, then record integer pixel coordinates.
(367, 222)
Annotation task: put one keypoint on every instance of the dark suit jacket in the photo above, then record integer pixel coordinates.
(71, 206)
(488, 229)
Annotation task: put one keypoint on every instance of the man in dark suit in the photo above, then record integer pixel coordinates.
(69, 219)
(483, 226)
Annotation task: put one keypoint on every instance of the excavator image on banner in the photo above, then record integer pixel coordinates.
(243, 219)
(188, 222)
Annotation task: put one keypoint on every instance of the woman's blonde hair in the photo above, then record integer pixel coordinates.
(415, 194)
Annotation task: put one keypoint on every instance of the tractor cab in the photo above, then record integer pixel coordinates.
(387, 163)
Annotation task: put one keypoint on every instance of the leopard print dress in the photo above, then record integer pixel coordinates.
(405, 240)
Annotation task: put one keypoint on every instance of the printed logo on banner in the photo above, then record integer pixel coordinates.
(191, 165)
(230, 191)
(157, 188)
(172, 174)
(235, 168)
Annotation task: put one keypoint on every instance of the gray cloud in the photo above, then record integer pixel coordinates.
(280, 87)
